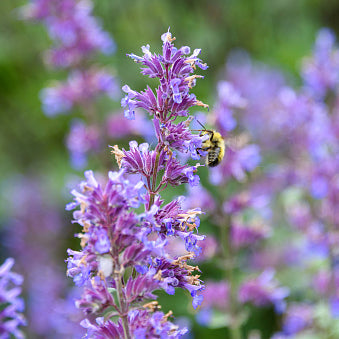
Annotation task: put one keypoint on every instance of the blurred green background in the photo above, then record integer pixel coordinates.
(278, 33)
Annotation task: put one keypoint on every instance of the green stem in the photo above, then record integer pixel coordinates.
(122, 304)
(154, 181)
(235, 332)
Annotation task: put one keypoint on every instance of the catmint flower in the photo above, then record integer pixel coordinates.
(79, 88)
(216, 297)
(139, 159)
(12, 306)
(264, 290)
(80, 141)
(297, 318)
(75, 32)
(142, 324)
(249, 234)
(35, 225)
(174, 70)
(118, 128)
(114, 236)
(228, 100)
(198, 196)
(216, 294)
(239, 161)
(117, 240)
(320, 72)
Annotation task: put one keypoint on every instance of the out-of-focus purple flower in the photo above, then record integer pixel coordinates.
(12, 306)
(236, 163)
(334, 306)
(80, 141)
(323, 279)
(209, 247)
(297, 318)
(264, 290)
(277, 257)
(245, 200)
(80, 88)
(75, 32)
(321, 71)
(118, 128)
(35, 225)
(216, 294)
(199, 196)
(249, 234)
(228, 100)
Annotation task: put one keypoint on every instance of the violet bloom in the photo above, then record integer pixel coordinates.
(143, 323)
(81, 140)
(245, 200)
(263, 291)
(216, 297)
(216, 294)
(119, 242)
(208, 246)
(77, 36)
(35, 225)
(320, 72)
(237, 163)
(80, 88)
(115, 238)
(249, 234)
(171, 99)
(229, 99)
(298, 317)
(75, 32)
(198, 196)
(12, 306)
(173, 68)
(118, 128)
(239, 157)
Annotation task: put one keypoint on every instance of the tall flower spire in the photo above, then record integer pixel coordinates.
(124, 257)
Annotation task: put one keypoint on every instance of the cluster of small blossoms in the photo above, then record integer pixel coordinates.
(33, 228)
(77, 38)
(12, 306)
(243, 223)
(241, 157)
(124, 256)
(297, 130)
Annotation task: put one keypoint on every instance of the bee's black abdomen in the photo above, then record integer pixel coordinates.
(216, 162)
(213, 157)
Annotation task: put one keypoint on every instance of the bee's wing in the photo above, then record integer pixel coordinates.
(237, 142)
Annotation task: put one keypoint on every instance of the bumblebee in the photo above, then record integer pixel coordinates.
(214, 146)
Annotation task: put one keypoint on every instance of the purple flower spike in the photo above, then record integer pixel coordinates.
(123, 251)
(75, 32)
(173, 69)
(140, 160)
(12, 306)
